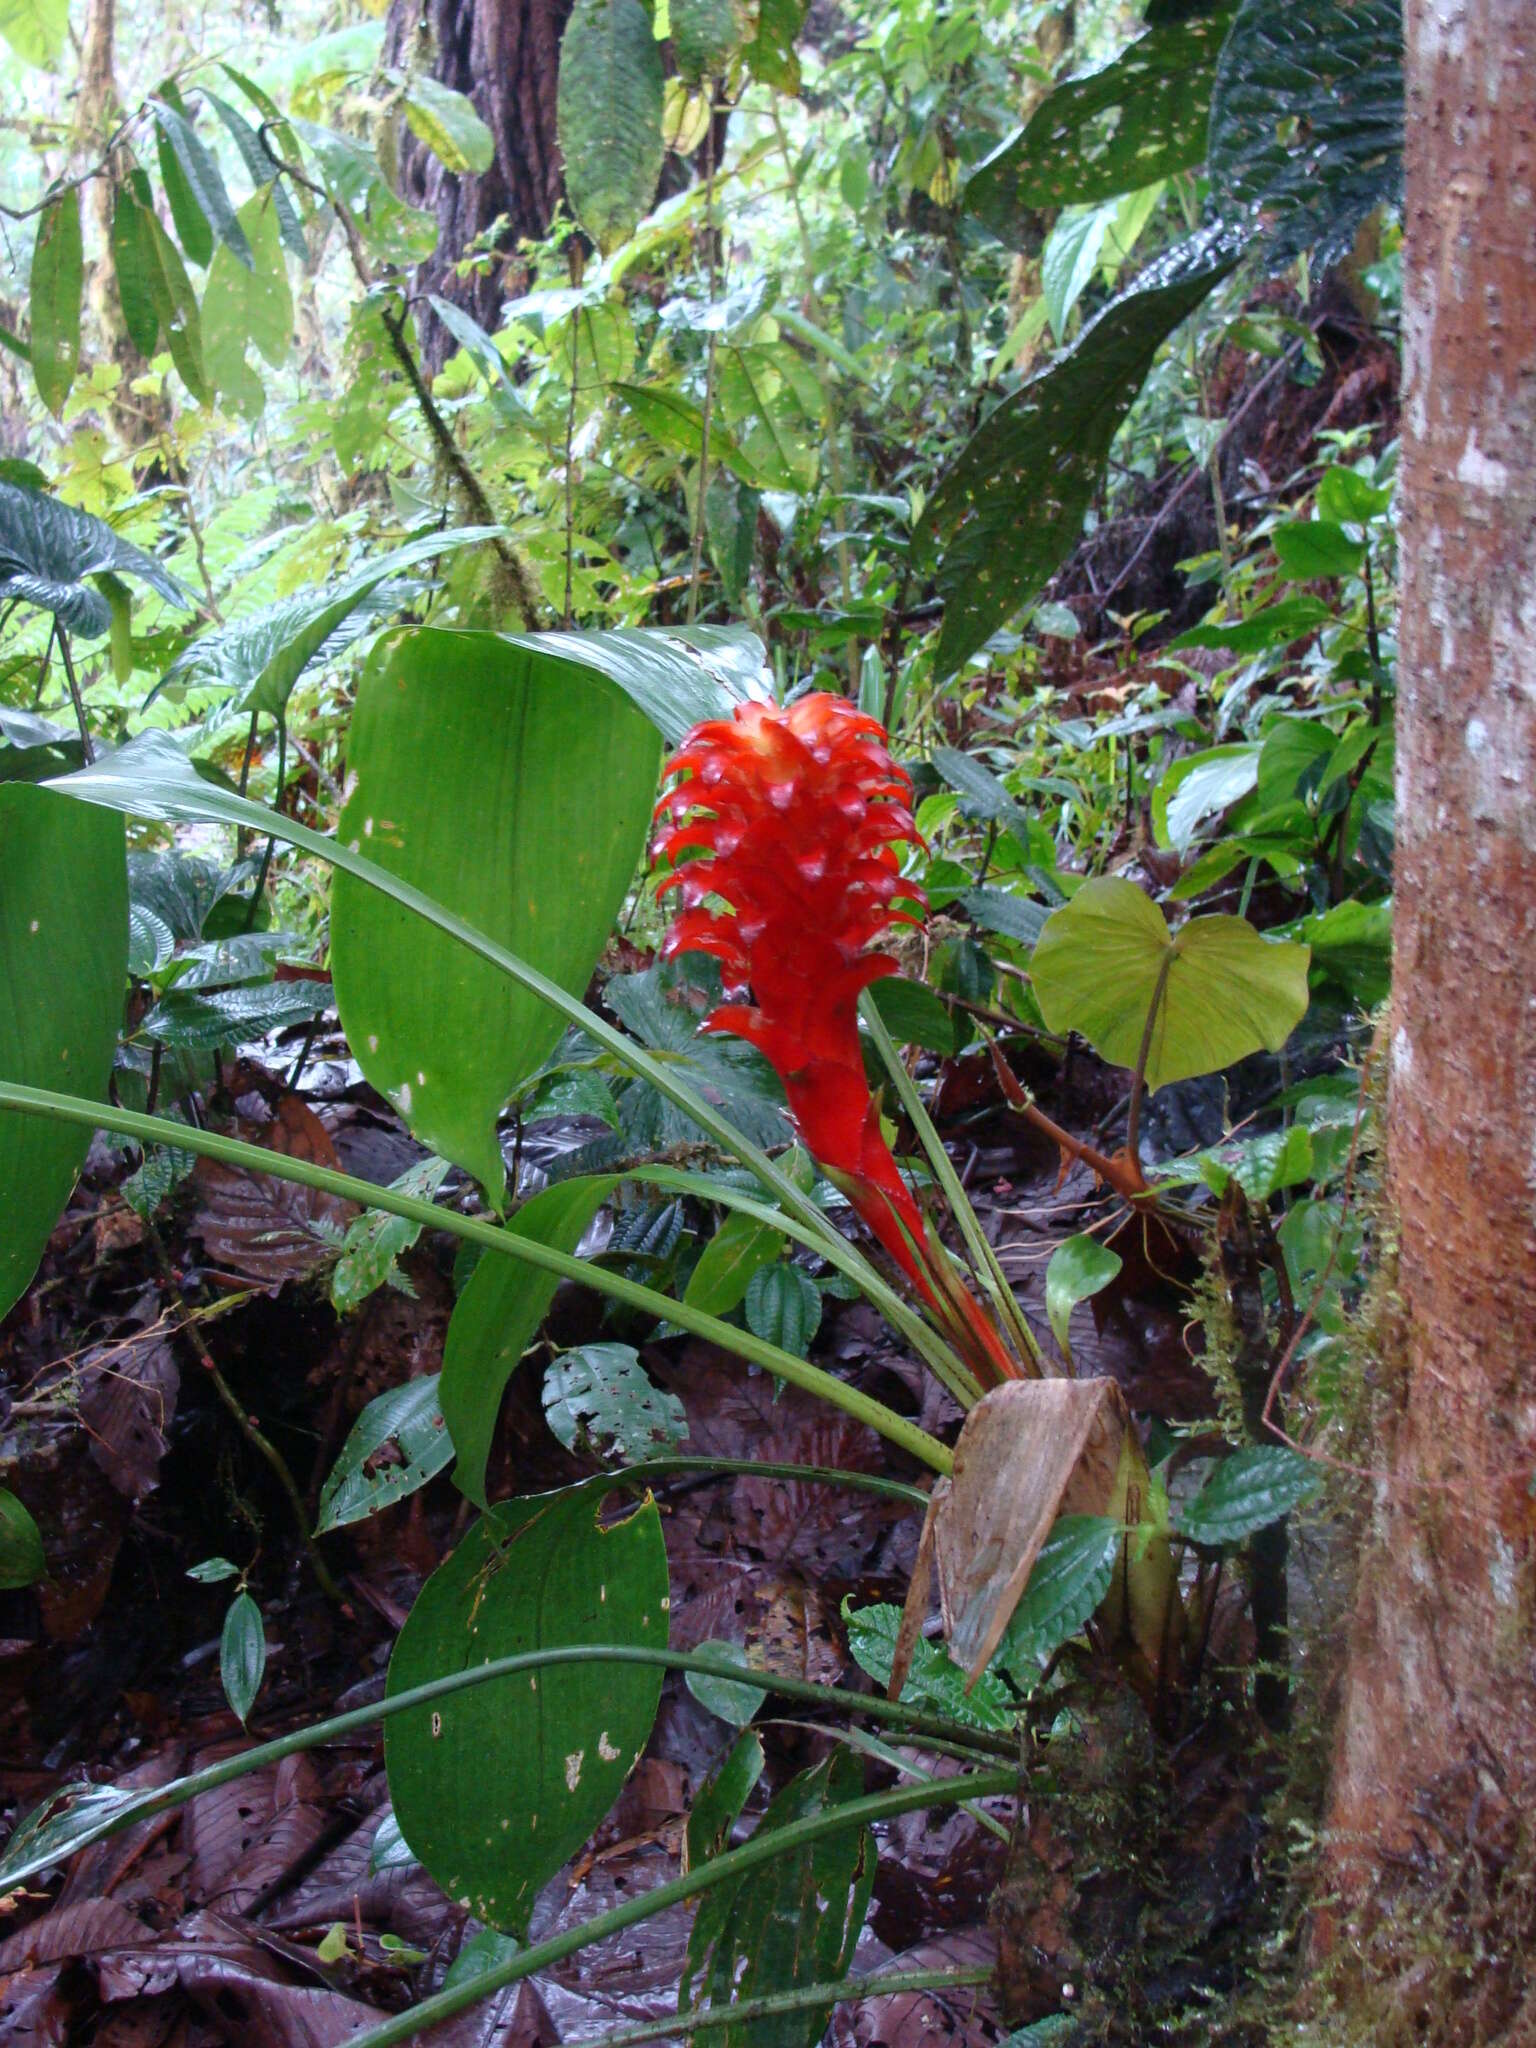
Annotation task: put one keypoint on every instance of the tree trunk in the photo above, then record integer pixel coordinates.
(1436, 1761)
(505, 54)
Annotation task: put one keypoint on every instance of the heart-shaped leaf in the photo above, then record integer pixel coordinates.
(48, 549)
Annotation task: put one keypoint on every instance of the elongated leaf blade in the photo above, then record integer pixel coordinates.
(58, 279)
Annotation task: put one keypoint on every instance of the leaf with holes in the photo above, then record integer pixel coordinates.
(396, 1445)
(474, 766)
(790, 1922)
(1012, 504)
(1133, 121)
(1246, 1492)
(600, 1395)
(63, 962)
(376, 1240)
(1307, 121)
(609, 102)
(1107, 960)
(495, 1787)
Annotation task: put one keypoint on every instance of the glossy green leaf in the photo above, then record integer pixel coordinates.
(63, 960)
(194, 1020)
(257, 157)
(1079, 1268)
(495, 1787)
(738, 1249)
(497, 1317)
(375, 1241)
(1221, 990)
(247, 303)
(1198, 786)
(718, 1807)
(1247, 1491)
(1011, 917)
(36, 30)
(242, 1655)
(213, 1571)
(1012, 505)
(1276, 625)
(516, 790)
(198, 194)
(677, 675)
(1310, 548)
(599, 1395)
(48, 549)
(447, 123)
(1343, 495)
(58, 279)
(913, 1014)
(793, 1921)
(783, 1307)
(1133, 121)
(22, 1562)
(409, 1417)
(1070, 258)
(1306, 125)
(608, 112)
(1069, 1579)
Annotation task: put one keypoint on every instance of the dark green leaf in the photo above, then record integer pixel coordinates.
(783, 1307)
(1310, 548)
(1276, 625)
(193, 1020)
(600, 1395)
(213, 1571)
(913, 1014)
(726, 1698)
(737, 1250)
(495, 1787)
(1012, 505)
(64, 942)
(1011, 917)
(609, 106)
(934, 1681)
(48, 548)
(1247, 1491)
(261, 170)
(242, 1655)
(21, 1545)
(718, 1807)
(410, 1419)
(376, 1240)
(1069, 1579)
(705, 36)
(1307, 120)
(58, 278)
(199, 202)
(771, 52)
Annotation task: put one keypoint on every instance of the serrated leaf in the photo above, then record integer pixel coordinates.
(1069, 1580)
(934, 1680)
(22, 1562)
(496, 1786)
(242, 1655)
(410, 1419)
(609, 107)
(783, 1306)
(600, 1394)
(58, 279)
(195, 1020)
(1221, 990)
(1248, 1490)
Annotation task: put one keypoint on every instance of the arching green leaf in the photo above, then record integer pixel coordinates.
(58, 278)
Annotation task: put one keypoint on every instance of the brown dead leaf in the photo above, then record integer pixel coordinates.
(245, 1837)
(127, 1400)
(258, 1229)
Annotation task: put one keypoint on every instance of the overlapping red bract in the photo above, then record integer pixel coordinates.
(793, 817)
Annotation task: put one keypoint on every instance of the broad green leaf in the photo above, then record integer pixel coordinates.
(411, 1418)
(260, 658)
(194, 1020)
(677, 423)
(1276, 625)
(727, 1698)
(790, 1922)
(497, 1317)
(1133, 121)
(58, 278)
(376, 1240)
(600, 1395)
(247, 302)
(913, 1014)
(935, 1680)
(1197, 786)
(1079, 1268)
(1312, 548)
(770, 53)
(783, 1306)
(1306, 125)
(1352, 945)
(447, 123)
(678, 676)
(1247, 1491)
(705, 36)
(738, 1249)
(515, 789)
(36, 30)
(1343, 495)
(609, 107)
(48, 549)
(718, 1807)
(63, 960)
(242, 1655)
(1011, 917)
(1012, 505)
(22, 1562)
(1069, 1579)
(1220, 989)
(183, 150)
(495, 1787)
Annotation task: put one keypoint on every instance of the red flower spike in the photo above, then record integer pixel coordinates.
(792, 818)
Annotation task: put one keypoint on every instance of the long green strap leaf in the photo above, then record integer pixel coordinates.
(784, 1365)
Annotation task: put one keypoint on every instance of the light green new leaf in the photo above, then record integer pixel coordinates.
(58, 277)
(516, 790)
(36, 30)
(247, 302)
(63, 960)
(1220, 990)
(447, 123)
(22, 1562)
(1079, 1268)
(738, 1250)
(608, 112)
(497, 1317)
(496, 1786)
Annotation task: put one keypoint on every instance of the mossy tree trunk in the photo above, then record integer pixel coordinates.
(1436, 1759)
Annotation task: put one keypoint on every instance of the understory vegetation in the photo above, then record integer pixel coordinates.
(690, 1233)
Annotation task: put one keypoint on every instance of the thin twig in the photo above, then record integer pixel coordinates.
(75, 697)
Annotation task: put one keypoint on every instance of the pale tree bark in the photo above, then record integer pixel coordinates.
(1437, 1749)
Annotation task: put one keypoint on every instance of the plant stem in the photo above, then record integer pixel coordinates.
(135, 1806)
(75, 697)
(699, 2019)
(764, 1847)
(798, 1372)
(1143, 1054)
(757, 1468)
(266, 858)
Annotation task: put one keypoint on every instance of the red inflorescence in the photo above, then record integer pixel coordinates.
(792, 818)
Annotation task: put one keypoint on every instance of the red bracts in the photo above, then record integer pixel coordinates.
(782, 829)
